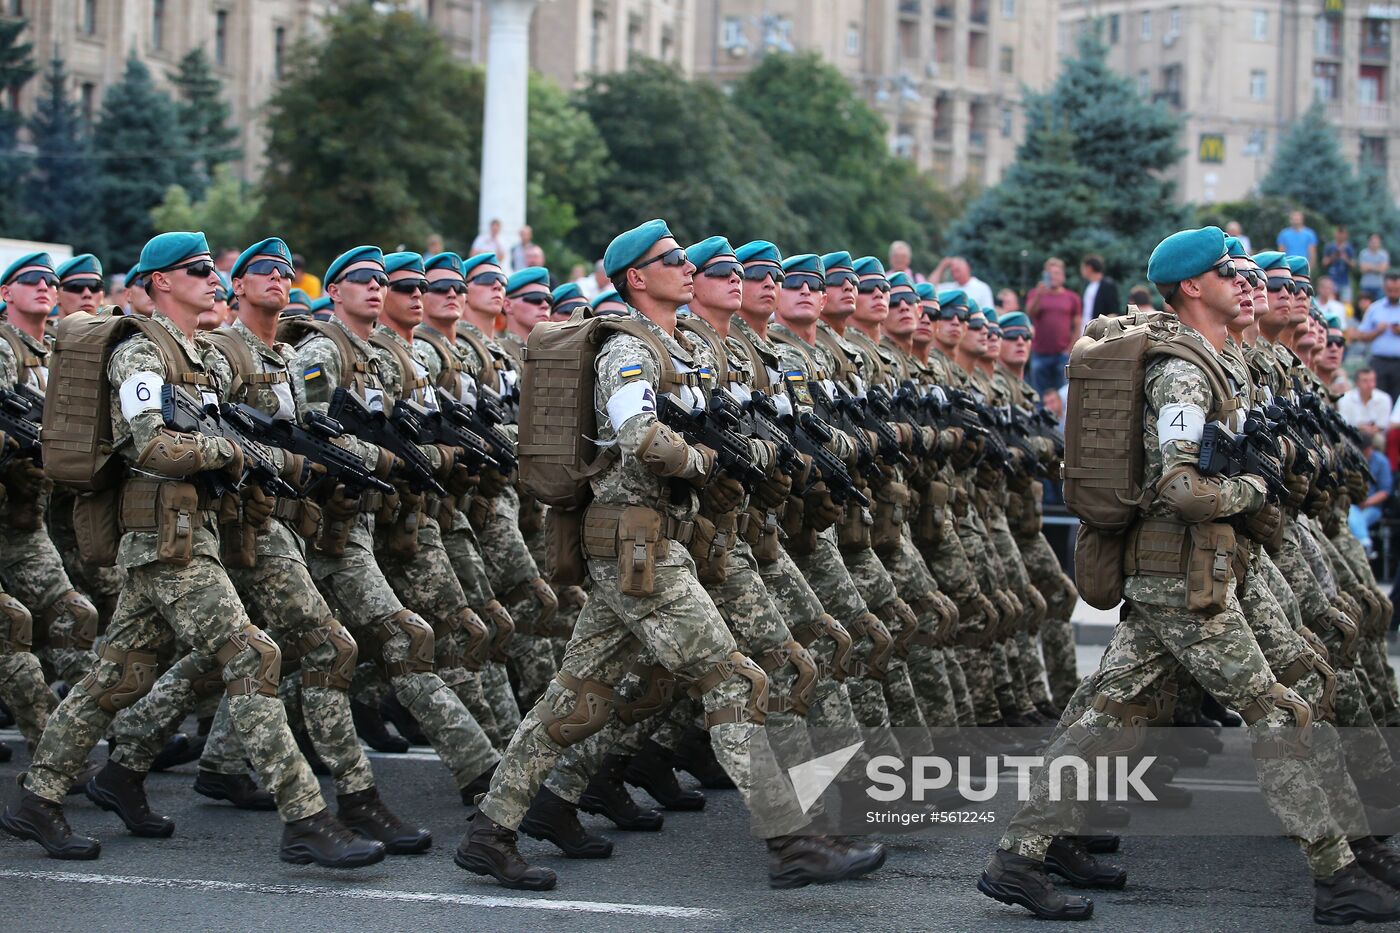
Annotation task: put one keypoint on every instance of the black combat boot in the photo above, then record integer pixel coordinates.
(6, 753)
(1213, 709)
(1100, 845)
(42, 821)
(697, 756)
(1350, 895)
(1380, 860)
(479, 785)
(554, 819)
(1015, 879)
(323, 839)
(398, 715)
(369, 725)
(1381, 792)
(313, 757)
(238, 789)
(869, 856)
(651, 770)
(7, 718)
(365, 813)
(179, 749)
(123, 791)
(797, 861)
(1068, 858)
(489, 849)
(79, 785)
(606, 795)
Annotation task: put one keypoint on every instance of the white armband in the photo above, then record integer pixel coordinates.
(1180, 423)
(140, 393)
(631, 400)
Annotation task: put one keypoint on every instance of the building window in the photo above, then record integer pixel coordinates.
(1006, 60)
(1008, 9)
(14, 7)
(1373, 152)
(595, 41)
(221, 37)
(668, 44)
(1370, 84)
(1171, 86)
(777, 33)
(1256, 143)
(1144, 82)
(1375, 38)
(634, 37)
(1145, 32)
(279, 52)
(1174, 21)
(1260, 26)
(87, 96)
(942, 118)
(1327, 36)
(853, 39)
(1115, 25)
(1007, 123)
(157, 24)
(1258, 85)
(1327, 77)
(87, 24)
(731, 34)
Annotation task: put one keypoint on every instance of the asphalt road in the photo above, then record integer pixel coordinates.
(220, 872)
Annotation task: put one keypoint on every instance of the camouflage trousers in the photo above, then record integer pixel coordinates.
(979, 662)
(679, 626)
(24, 691)
(1057, 631)
(928, 675)
(877, 587)
(1028, 674)
(1146, 651)
(102, 585)
(361, 597)
(197, 605)
(65, 623)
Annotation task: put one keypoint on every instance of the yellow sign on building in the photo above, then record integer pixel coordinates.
(1211, 148)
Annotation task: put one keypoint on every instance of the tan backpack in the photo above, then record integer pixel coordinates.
(1103, 463)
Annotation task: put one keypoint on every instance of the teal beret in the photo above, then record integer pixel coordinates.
(298, 297)
(479, 259)
(170, 249)
(349, 258)
(837, 260)
(225, 285)
(952, 298)
(28, 259)
(1234, 247)
(81, 264)
(443, 261)
(272, 246)
(628, 248)
(1333, 319)
(133, 276)
(868, 265)
(1271, 259)
(320, 304)
(606, 295)
(1185, 255)
(1015, 319)
(1298, 265)
(972, 306)
(531, 275)
(991, 314)
(3, 306)
(398, 262)
(758, 251)
(900, 280)
(569, 291)
(708, 249)
(927, 291)
(805, 262)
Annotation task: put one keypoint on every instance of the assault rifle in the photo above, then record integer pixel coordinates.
(480, 422)
(312, 442)
(431, 426)
(182, 412)
(21, 411)
(841, 416)
(397, 433)
(716, 427)
(1254, 451)
(803, 433)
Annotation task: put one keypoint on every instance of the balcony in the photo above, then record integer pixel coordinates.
(1373, 114)
(944, 10)
(980, 13)
(1375, 51)
(977, 139)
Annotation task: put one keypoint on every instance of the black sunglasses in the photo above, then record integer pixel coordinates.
(840, 278)
(35, 276)
(534, 298)
(268, 266)
(568, 308)
(1337, 341)
(757, 273)
(1306, 289)
(365, 276)
(408, 286)
(723, 269)
(941, 314)
(78, 286)
(1288, 285)
(199, 269)
(976, 323)
(1226, 269)
(488, 279)
(795, 281)
(674, 256)
(1016, 334)
(904, 296)
(1252, 276)
(873, 285)
(444, 286)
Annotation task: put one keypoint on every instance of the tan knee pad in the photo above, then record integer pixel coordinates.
(1132, 718)
(268, 657)
(1296, 745)
(341, 669)
(83, 632)
(593, 706)
(799, 697)
(478, 640)
(420, 643)
(660, 692)
(16, 625)
(738, 664)
(882, 645)
(138, 674)
(497, 615)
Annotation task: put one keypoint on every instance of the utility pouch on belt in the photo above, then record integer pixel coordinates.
(853, 534)
(563, 539)
(1032, 512)
(631, 534)
(302, 514)
(1210, 567)
(237, 538)
(761, 531)
(402, 537)
(479, 511)
(889, 512)
(171, 510)
(960, 501)
(1098, 566)
(801, 538)
(339, 514)
(97, 525)
(927, 527)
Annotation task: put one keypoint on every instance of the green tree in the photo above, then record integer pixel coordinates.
(1310, 171)
(16, 68)
(228, 212)
(375, 138)
(683, 151)
(567, 164)
(204, 117)
(141, 152)
(62, 192)
(1091, 124)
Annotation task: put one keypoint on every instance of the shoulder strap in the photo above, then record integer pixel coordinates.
(806, 351)
(877, 363)
(413, 384)
(451, 364)
(1184, 347)
(240, 359)
(667, 380)
(355, 373)
(844, 366)
(177, 366)
(757, 363)
(24, 357)
(702, 329)
(490, 375)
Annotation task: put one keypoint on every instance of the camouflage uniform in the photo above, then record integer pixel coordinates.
(396, 638)
(677, 624)
(194, 602)
(1159, 633)
(65, 621)
(100, 584)
(22, 686)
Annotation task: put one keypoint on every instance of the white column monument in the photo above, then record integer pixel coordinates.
(503, 148)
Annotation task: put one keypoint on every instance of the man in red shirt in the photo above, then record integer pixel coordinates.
(1056, 312)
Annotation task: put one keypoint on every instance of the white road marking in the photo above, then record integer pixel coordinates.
(367, 894)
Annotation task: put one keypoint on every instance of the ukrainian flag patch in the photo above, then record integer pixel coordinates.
(311, 372)
(629, 372)
(706, 373)
(795, 375)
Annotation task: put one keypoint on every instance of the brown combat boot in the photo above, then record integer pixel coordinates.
(323, 839)
(554, 819)
(42, 821)
(606, 795)
(123, 791)
(365, 813)
(797, 861)
(489, 849)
